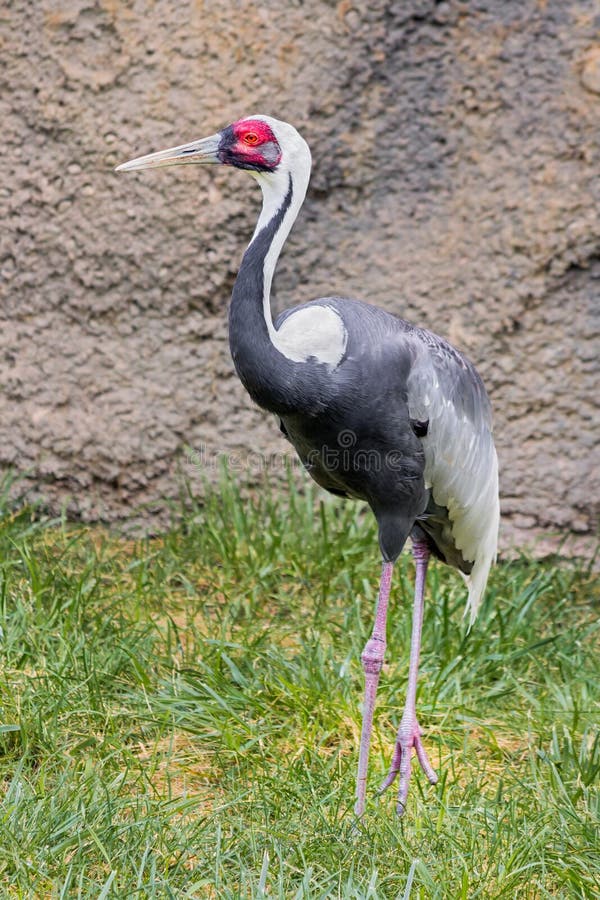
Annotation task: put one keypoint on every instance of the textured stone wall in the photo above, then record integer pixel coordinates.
(456, 180)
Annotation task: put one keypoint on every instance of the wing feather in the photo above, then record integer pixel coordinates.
(461, 466)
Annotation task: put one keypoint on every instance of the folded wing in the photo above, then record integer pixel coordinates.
(461, 466)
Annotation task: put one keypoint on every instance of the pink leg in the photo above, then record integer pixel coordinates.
(372, 661)
(409, 733)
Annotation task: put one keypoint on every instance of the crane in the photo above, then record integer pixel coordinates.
(376, 408)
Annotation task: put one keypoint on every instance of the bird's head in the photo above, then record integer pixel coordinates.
(260, 144)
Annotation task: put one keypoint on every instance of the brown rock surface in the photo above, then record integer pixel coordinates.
(456, 181)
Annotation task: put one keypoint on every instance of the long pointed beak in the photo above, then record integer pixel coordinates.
(203, 152)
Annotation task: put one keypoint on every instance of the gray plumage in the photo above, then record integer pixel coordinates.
(444, 482)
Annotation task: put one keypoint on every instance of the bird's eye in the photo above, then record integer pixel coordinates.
(251, 138)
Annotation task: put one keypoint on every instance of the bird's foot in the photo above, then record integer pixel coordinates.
(409, 736)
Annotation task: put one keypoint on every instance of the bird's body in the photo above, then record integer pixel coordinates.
(369, 439)
(353, 385)
(376, 408)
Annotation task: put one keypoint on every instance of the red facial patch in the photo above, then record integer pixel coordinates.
(255, 129)
(256, 144)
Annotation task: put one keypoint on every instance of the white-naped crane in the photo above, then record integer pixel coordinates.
(377, 409)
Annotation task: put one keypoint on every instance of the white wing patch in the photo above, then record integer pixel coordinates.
(461, 468)
(313, 331)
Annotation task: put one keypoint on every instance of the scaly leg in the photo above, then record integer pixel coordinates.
(409, 733)
(372, 661)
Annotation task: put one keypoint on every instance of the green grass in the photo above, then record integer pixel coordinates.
(179, 717)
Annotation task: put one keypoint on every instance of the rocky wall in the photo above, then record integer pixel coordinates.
(456, 151)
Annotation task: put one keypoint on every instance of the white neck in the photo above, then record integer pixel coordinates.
(275, 186)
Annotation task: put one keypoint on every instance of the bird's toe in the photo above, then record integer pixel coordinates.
(401, 763)
(424, 761)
